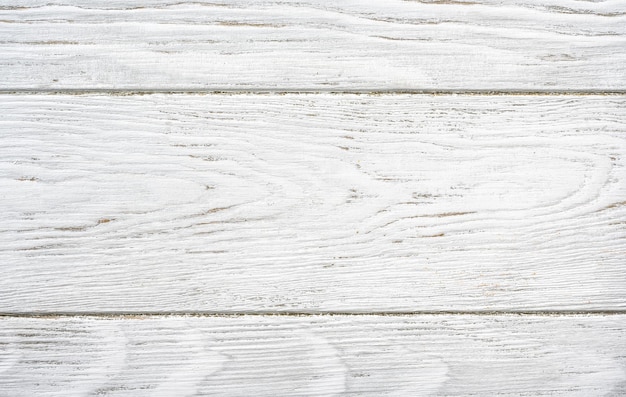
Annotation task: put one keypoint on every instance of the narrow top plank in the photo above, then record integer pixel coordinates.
(313, 45)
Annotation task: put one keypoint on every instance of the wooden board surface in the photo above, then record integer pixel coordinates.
(289, 189)
(321, 202)
(335, 45)
(314, 356)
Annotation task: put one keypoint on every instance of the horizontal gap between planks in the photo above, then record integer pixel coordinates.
(129, 314)
(304, 91)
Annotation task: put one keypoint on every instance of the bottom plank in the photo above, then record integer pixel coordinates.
(440, 355)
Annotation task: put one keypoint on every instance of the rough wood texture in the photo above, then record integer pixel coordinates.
(312, 202)
(485, 44)
(314, 356)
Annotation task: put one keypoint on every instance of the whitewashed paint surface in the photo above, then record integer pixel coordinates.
(312, 202)
(314, 356)
(485, 44)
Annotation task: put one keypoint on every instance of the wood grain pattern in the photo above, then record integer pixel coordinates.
(314, 356)
(313, 44)
(312, 202)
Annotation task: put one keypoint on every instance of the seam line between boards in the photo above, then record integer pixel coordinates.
(269, 313)
(304, 91)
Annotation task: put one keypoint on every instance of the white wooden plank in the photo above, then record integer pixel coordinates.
(306, 356)
(313, 44)
(312, 202)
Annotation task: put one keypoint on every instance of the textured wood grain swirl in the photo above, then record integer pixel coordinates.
(312, 202)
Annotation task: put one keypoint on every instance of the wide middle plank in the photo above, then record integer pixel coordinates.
(312, 203)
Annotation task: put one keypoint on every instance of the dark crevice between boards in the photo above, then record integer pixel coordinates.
(307, 91)
(312, 313)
